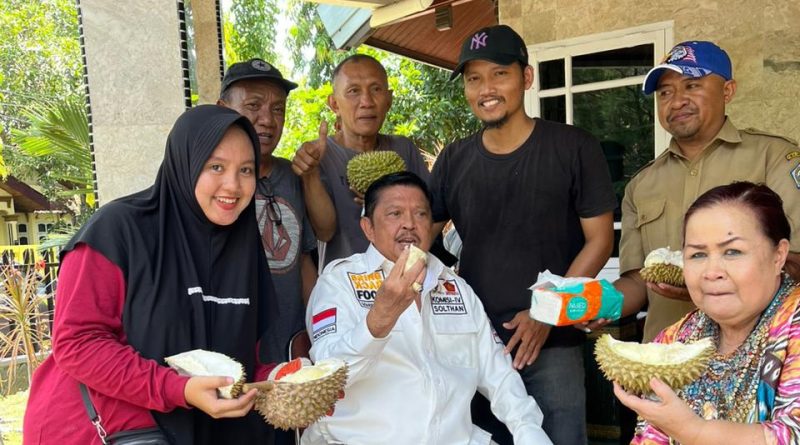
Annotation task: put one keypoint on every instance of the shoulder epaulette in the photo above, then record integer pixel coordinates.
(757, 132)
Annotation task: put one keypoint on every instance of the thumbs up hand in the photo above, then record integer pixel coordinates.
(306, 160)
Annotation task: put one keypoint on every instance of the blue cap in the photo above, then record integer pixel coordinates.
(692, 59)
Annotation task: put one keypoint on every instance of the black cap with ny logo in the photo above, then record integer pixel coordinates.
(499, 44)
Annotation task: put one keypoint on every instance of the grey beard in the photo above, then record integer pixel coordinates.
(498, 123)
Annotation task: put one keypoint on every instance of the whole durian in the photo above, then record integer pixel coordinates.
(199, 362)
(632, 364)
(663, 266)
(300, 399)
(366, 168)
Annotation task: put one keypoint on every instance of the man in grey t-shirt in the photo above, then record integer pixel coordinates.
(258, 91)
(361, 98)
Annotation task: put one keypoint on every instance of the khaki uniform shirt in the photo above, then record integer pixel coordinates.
(658, 196)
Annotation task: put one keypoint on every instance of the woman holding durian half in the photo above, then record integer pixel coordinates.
(175, 267)
(736, 241)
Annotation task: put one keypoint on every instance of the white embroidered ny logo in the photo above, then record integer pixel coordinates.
(478, 41)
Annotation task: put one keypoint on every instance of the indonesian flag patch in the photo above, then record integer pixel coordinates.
(323, 323)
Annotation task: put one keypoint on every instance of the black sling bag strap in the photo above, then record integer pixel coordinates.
(144, 436)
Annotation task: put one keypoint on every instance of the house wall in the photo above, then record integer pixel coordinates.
(31, 222)
(762, 39)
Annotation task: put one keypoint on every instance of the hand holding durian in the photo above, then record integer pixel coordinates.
(295, 396)
(663, 266)
(663, 273)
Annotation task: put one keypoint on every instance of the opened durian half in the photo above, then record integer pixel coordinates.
(663, 266)
(632, 364)
(366, 168)
(200, 362)
(300, 399)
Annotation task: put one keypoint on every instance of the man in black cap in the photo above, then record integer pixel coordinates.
(258, 91)
(547, 186)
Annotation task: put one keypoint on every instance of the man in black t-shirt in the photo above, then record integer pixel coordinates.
(525, 195)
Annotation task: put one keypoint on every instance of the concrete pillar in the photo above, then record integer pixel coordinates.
(137, 87)
(208, 49)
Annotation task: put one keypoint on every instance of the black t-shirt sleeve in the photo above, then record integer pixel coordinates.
(594, 194)
(437, 185)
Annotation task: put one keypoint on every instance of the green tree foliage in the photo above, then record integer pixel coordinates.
(40, 65)
(427, 107)
(307, 36)
(249, 30)
(306, 108)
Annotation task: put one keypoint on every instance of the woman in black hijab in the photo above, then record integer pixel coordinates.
(175, 267)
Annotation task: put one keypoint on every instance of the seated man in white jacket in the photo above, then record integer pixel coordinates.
(416, 357)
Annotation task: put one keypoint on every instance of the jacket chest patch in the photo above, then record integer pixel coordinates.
(365, 286)
(446, 299)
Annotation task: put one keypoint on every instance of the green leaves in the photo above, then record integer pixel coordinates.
(305, 110)
(39, 56)
(249, 30)
(59, 135)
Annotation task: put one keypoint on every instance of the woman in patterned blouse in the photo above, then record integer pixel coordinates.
(736, 244)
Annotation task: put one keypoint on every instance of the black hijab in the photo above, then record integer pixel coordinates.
(189, 283)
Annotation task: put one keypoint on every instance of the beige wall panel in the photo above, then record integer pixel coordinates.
(762, 38)
(136, 164)
(136, 84)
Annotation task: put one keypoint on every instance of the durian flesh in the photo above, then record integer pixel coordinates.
(366, 168)
(300, 399)
(414, 254)
(632, 364)
(663, 266)
(199, 362)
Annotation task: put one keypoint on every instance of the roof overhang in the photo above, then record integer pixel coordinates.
(383, 12)
(26, 199)
(430, 31)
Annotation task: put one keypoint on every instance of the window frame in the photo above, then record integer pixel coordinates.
(659, 34)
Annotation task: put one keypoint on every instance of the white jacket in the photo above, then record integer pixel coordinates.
(415, 385)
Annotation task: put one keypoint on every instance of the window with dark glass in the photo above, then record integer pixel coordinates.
(613, 64)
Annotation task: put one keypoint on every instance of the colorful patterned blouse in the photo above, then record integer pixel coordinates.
(777, 400)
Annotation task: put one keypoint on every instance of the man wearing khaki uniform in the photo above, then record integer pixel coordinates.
(692, 88)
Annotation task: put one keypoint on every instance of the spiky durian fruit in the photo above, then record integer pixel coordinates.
(632, 364)
(663, 266)
(414, 254)
(301, 398)
(366, 168)
(200, 362)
